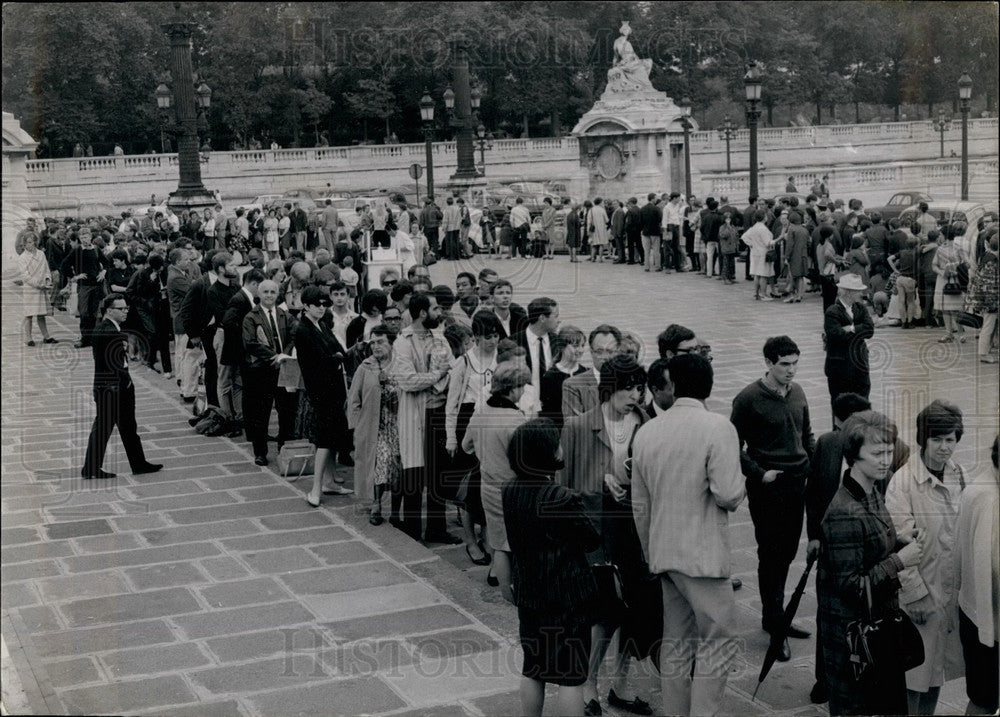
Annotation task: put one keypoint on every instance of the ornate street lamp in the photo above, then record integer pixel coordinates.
(461, 102)
(727, 131)
(203, 98)
(484, 140)
(942, 125)
(163, 101)
(427, 118)
(752, 82)
(964, 100)
(190, 193)
(686, 124)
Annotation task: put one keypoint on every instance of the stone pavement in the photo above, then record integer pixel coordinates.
(213, 588)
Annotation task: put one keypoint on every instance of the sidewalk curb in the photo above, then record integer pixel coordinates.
(31, 692)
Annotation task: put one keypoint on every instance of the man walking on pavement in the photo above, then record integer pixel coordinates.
(771, 416)
(114, 395)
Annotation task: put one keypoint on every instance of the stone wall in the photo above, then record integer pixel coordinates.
(241, 175)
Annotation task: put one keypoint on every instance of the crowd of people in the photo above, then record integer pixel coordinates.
(597, 495)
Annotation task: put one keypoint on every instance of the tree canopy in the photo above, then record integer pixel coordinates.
(291, 72)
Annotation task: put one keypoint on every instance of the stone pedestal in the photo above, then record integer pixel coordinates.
(625, 143)
(18, 147)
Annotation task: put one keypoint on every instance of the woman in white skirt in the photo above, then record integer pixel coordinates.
(760, 240)
(37, 284)
(947, 259)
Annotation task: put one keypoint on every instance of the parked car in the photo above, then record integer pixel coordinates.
(898, 202)
(953, 212)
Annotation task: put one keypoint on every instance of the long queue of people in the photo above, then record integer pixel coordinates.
(598, 495)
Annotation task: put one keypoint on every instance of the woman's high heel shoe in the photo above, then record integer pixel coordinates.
(485, 560)
(492, 580)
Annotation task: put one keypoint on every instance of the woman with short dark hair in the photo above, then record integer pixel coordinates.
(597, 446)
(860, 546)
(925, 494)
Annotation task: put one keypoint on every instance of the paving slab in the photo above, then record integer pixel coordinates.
(74, 587)
(99, 639)
(349, 696)
(165, 575)
(285, 640)
(129, 606)
(243, 592)
(153, 660)
(244, 619)
(123, 697)
(285, 671)
(70, 673)
(87, 563)
(406, 622)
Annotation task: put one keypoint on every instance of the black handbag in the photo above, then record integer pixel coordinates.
(967, 318)
(891, 639)
(952, 288)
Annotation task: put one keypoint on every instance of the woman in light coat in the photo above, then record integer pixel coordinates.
(947, 259)
(37, 283)
(598, 230)
(925, 494)
(372, 411)
(760, 240)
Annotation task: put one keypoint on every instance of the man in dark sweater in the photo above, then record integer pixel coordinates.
(772, 419)
(650, 219)
(85, 266)
(202, 313)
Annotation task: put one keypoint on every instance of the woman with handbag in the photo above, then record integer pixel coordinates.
(372, 411)
(596, 447)
(552, 584)
(925, 494)
(860, 558)
(36, 285)
(949, 294)
(761, 242)
(984, 298)
(469, 386)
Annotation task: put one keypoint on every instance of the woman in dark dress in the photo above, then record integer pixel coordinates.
(321, 360)
(553, 587)
(569, 347)
(858, 542)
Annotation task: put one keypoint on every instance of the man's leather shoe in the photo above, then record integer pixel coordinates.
(819, 694)
(148, 468)
(591, 708)
(785, 653)
(736, 583)
(797, 632)
(260, 460)
(98, 474)
(235, 433)
(445, 538)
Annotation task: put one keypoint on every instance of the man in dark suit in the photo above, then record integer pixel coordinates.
(538, 337)
(114, 394)
(231, 358)
(846, 327)
(512, 317)
(579, 392)
(198, 315)
(85, 266)
(267, 339)
(650, 219)
(660, 387)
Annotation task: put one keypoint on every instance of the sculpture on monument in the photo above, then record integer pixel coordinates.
(629, 73)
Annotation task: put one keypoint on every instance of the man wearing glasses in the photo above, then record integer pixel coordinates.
(114, 395)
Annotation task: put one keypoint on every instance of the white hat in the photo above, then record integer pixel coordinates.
(851, 282)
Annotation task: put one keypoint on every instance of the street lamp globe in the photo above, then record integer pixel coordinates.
(449, 99)
(426, 107)
(481, 132)
(163, 97)
(476, 97)
(965, 87)
(203, 96)
(752, 82)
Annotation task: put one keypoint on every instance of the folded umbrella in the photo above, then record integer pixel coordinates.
(778, 636)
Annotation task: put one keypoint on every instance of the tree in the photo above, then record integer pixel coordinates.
(314, 104)
(373, 100)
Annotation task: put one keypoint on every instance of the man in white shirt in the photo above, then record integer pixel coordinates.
(341, 311)
(520, 222)
(673, 220)
(538, 338)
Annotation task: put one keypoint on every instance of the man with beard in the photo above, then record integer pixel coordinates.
(85, 266)
(202, 312)
(421, 371)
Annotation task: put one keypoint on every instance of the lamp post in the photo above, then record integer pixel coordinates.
(484, 140)
(964, 98)
(203, 98)
(942, 125)
(427, 119)
(190, 193)
(727, 131)
(686, 124)
(163, 100)
(752, 81)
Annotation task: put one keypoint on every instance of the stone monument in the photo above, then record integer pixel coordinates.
(631, 140)
(18, 148)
